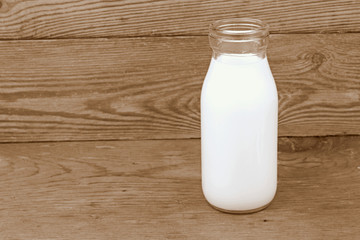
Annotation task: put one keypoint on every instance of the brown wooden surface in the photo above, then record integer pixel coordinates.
(97, 18)
(149, 88)
(137, 74)
(152, 190)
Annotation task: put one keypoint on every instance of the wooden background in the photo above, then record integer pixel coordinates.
(100, 119)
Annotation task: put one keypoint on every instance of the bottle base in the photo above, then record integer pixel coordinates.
(240, 211)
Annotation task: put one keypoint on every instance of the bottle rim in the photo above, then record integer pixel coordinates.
(239, 29)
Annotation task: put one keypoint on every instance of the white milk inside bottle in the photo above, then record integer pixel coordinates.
(239, 115)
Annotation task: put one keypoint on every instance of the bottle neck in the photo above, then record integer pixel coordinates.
(239, 37)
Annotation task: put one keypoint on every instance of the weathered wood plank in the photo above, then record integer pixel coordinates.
(152, 190)
(21, 19)
(149, 88)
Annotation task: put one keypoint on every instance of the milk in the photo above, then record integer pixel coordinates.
(239, 112)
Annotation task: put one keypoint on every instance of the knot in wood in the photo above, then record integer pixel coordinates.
(317, 59)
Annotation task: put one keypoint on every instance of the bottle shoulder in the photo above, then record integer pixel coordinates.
(250, 77)
(239, 84)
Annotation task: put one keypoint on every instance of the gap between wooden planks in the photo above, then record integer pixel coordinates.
(149, 88)
(152, 190)
(96, 18)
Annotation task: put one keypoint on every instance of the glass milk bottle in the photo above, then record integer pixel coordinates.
(239, 117)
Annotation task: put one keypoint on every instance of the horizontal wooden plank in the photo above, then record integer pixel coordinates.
(149, 88)
(21, 19)
(152, 190)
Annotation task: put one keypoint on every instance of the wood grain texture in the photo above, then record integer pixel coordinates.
(152, 190)
(24, 19)
(149, 88)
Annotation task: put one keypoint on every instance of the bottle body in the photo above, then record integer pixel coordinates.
(239, 119)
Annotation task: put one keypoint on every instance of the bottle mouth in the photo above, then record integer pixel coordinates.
(239, 29)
